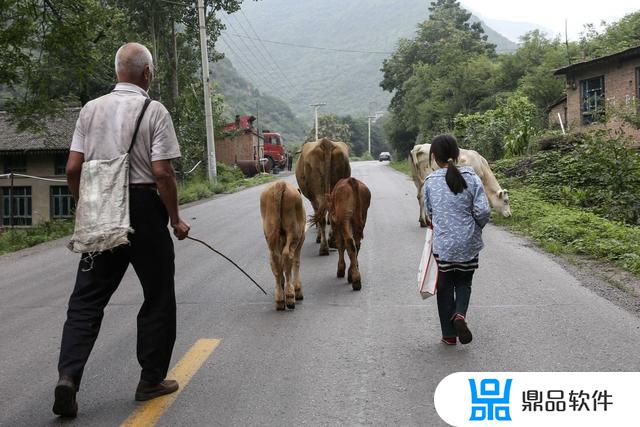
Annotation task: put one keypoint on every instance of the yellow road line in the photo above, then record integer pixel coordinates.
(149, 413)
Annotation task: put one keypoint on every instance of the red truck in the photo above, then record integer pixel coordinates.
(274, 149)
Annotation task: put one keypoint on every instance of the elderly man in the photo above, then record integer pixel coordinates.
(104, 131)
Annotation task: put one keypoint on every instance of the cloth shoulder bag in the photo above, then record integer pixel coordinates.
(428, 268)
(102, 213)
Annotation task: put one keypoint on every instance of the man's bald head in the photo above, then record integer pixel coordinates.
(134, 64)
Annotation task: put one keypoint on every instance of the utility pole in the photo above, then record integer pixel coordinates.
(370, 118)
(316, 106)
(212, 172)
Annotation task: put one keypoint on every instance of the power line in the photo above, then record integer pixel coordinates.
(249, 50)
(235, 49)
(260, 52)
(246, 64)
(314, 47)
(269, 70)
(255, 80)
(267, 50)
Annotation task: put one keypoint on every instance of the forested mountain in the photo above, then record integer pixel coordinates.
(347, 81)
(241, 97)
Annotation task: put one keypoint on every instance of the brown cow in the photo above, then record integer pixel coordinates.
(321, 165)
(349, 203)
(283, 222)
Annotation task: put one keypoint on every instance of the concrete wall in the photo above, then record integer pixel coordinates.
(41, 165)
(620, 88)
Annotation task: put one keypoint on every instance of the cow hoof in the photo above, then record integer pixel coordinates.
(318, 240)
(356, 286)
(299, 297)
(423, 224)
(279, 305)
(324, 251)
(291, 305)
(340, 274)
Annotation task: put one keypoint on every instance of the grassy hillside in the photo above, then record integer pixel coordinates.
(241, 97)
(348, 82)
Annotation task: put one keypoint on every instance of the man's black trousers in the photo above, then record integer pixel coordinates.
(151, 254)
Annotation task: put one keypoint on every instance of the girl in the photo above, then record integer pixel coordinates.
(459, 209)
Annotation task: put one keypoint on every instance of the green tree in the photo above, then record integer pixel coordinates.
(446, 69)
(359, 127)
(330, 126)
(61, 51)
(509, 128)
(614, 37)
(530, 69)
(56, 52)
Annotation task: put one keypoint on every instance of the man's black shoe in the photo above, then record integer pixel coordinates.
(148, 391)
(65, 404)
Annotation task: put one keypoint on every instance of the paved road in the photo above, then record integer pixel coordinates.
(342, 357)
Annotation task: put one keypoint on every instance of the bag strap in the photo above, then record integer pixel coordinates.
(147, 101)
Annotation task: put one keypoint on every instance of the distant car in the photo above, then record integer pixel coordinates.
(385, 155)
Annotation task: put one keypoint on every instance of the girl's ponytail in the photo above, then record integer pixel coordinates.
(454, 178)
(445, 149)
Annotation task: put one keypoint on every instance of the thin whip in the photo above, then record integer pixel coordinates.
(228, 259)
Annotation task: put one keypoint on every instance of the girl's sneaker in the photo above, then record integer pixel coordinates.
(464, 334)
(449, 340)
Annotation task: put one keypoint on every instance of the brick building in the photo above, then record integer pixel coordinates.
(241, 142)
(595, 85)
(32, 201)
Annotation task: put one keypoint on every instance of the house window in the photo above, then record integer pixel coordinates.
(60, 164)
(15, 164)
(62, 203)
(17, 207)
(592, 99)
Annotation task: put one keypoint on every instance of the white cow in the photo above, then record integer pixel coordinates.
(422, 166)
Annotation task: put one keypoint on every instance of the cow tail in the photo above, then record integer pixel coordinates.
(358, 224)
(323, 208)
(278, 193)
(321, 213)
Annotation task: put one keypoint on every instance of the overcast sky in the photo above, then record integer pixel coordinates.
(552, 13)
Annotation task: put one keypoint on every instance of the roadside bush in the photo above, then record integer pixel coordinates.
(483, 132)
(560, 229)
(229, 179)
(402, 166)
(20, 238)
(594, 171)
(229, 174)
(508, 129)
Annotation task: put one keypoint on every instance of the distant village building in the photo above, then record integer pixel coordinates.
(595, 85)
(241, 142)
(31, 200)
